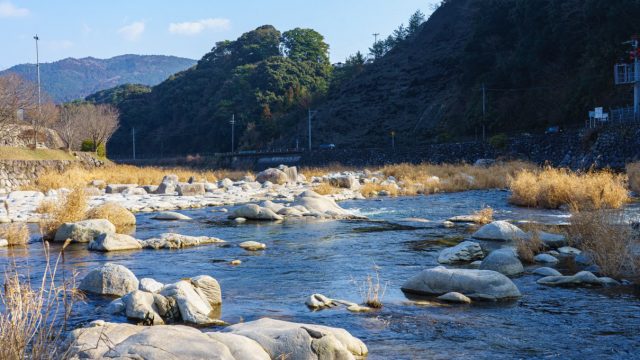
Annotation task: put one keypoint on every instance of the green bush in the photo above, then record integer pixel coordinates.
(88, 145)
(499, 141)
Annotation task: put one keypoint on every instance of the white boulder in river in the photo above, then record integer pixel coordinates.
(500, 231)
(465, 251)
(83, 231)
(256, 340)
(476, 284)
(110, 279)
(504, 261)
(254, 212)
(114, 242)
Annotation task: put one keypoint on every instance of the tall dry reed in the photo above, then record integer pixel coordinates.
(551, 188)
(609, 239)
(33, 316)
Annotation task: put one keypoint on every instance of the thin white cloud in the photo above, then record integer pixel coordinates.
(7, 9)
(133, 31)
(196, 27)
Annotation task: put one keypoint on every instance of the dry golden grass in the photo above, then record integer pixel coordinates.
(310, 172)
(326, 189)
(633, 173)
(125, 174)
(608, 238)
(551, 188)
(70, 207)
(371, 289)
(484, 216)
(16, 153)
(528, 248)
(118, 215)
(34, 316)
(15, 234)
(373, 189)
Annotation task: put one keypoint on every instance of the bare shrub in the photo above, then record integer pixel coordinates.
(633, 173)
(118, 215)
(374, 189)
(70, 207)
(34, 316)
(552, 188)
(15, 234)
(527, 249)
(326, 189)
(484, 216)
(609, 240)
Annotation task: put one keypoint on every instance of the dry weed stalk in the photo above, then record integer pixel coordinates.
(33, 319)
(608, 238)
(370, 289)
(15, 234)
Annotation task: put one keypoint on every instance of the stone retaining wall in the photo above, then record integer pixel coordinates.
(17, 173)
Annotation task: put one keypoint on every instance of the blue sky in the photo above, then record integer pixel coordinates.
(186, 28)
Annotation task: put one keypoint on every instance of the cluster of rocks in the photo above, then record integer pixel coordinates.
(307, 204)
(193, 301)
(262, 339)
(101, 235)
(319, 302)
(189, 300)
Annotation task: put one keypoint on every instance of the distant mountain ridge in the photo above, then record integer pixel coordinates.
(70, 79)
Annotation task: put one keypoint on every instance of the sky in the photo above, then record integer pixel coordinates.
(187, 28)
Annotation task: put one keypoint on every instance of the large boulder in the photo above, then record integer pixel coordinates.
(193, 303)
(140, 305)
(500, 231)
(300, 341)
(345, 181)
(504, 261)
(127, 341)
(209, 287)
(193, 189)
(256, 340)
(464, 251)
(476, 284)
(114, 242)
(83, 231)
(110, 279)
(150, 285)
(255, 212)
(322, 205)
(168, 184)
(272, 175)
(291, 172)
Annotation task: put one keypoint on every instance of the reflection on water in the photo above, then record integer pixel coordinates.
(305, 257)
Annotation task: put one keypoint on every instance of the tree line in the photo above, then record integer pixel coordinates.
(76, 123)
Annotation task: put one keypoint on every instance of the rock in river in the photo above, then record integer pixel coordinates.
(256, 340)
(114, 242)
(83, 231)
(581, 278)
(255, 212)
(455, 297)
(272, 175)
(465, 251)
(476, 284)
(110, 279)
(193, 303)
(546, 271)
(504, 261)
(545, 258)
(252, 245)
(170, 215)
(500, 231)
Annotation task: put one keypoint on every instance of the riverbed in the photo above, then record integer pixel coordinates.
(329, 257)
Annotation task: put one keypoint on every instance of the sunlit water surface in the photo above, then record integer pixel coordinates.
(306, 257)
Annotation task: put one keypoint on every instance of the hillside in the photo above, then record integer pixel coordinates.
(71, 79)
(543, 63)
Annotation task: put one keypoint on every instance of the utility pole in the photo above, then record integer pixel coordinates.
(133, 141)
(484, 109)
(233, 129)
(375, 37)
(311, 113)
(33, 120)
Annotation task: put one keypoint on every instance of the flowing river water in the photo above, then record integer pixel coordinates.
(306, 257)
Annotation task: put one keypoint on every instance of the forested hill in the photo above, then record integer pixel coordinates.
(71, 79)
(545, 62)
(266, 78)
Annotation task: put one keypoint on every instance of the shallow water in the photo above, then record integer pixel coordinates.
(305, 257)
